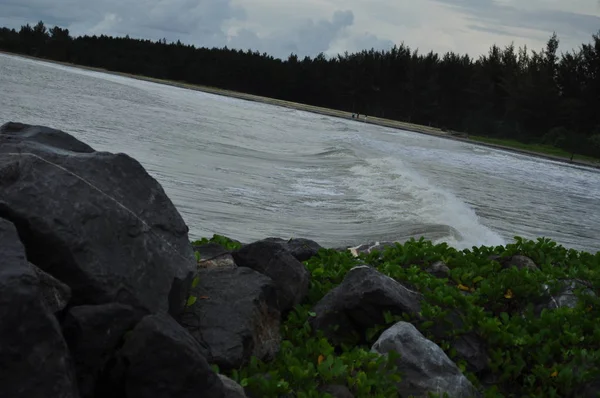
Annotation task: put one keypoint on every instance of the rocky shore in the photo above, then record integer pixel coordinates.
(103, 294)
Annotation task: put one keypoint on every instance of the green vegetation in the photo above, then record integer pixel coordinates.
(552, 354)
(538, 148)
(509, 93)
(224, 241)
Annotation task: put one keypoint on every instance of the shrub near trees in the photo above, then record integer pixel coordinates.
(537, 97)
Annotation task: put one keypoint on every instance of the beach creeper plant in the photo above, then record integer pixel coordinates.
(551, 352)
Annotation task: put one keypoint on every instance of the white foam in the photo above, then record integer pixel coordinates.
(315, 188)
(390, 190)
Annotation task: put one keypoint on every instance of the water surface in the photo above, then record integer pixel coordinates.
(250, 170)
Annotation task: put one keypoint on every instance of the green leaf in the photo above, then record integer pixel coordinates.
(195, 281)
(191, 300)
(427, 324)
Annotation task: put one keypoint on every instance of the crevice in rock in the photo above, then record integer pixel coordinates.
(50, 255)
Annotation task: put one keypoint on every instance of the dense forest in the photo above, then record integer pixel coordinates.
(530, 96)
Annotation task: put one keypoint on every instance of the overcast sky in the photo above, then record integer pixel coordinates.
(307, 27)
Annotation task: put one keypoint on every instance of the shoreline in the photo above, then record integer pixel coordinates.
(394, 124)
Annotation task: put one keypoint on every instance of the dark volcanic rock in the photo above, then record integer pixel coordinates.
(272, 259)
(359, 302)
(423, 365)
(337, 391)
(235, 316)
(93, 333)
(302, 249)
(232, 389)
(589, 390)
(439, 270)
(34, 359)
(105, 227)
(213, 255)
(56, 294)
(469, 346)
(19, 132)
(160, 359)
(566, 295)
(518, 261)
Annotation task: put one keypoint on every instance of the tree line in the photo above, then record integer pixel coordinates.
(530, 96)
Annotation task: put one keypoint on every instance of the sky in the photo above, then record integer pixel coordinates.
(309, 27)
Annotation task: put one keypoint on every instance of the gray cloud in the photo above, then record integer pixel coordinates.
(197, 20)
(308, 27)
(369, 40)
(309, 38)
(496, 30)
(493, 16)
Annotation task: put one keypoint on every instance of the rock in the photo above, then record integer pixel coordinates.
(337, 391)
(18, 132)
(589, 390)
(472, 349)
(213, 255)
(521, 262)
(359, 302)
(423, 365)
(34, 358)
(232, 389)
(93, 333)
(566, 297)
(518, 261)
(469, 346)
(56, 295)
(438, 269)
(160, 359)
(271, 259)
(235, 316)
(105, 227)
(302, 249)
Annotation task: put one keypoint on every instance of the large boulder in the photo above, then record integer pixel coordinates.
(302, 249)
(232, 389)
(337, 391)
(94, 333)
(160, 359)
(19, 132)
(565, 295)
(518, 261)
(275, 261)
(235, 316)
(105, 227)
(423, 365)
(469, 346)
(56, 295)
(438, 269)
(34, 358)
(359, 303)
(213, 255)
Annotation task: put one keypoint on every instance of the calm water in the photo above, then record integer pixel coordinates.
(249, 170)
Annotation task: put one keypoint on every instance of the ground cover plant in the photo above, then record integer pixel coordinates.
(535, 348)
